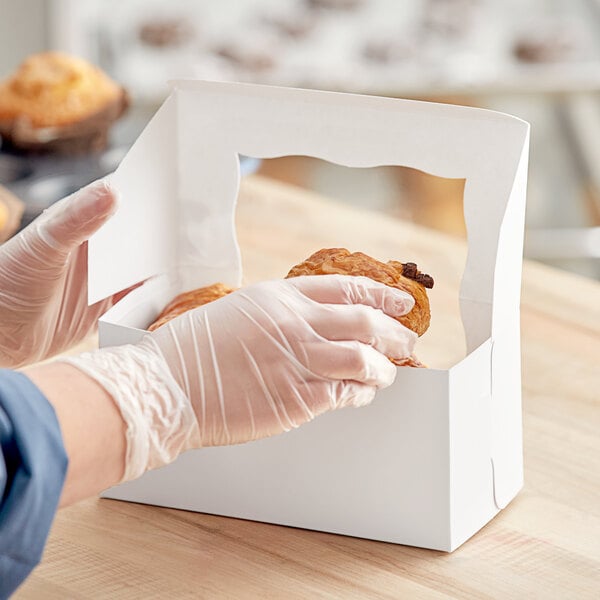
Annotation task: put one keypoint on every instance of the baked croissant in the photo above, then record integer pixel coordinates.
(404, 276)
(189, 300)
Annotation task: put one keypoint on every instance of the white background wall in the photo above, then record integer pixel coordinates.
(22, 31)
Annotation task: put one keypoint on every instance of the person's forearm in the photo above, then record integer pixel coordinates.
(92, 428)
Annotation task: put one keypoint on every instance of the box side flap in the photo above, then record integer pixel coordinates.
(471, 477)
(507, 436)
(208, 178)
(509, 262)
(507, 428)
(141, 238)
(485, 216)
(505, 420)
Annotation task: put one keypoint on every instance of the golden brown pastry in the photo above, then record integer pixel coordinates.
(189, 300)
(404, 276)
(57, 102)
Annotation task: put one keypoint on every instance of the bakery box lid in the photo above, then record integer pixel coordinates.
(179, 182)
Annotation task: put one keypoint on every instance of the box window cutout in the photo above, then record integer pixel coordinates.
(275, 235)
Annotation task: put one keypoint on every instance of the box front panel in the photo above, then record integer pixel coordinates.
(379, 472)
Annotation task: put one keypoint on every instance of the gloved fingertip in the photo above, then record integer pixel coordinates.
(96, 201)
(387, 375)
(108, 187)
(399, 303)
(355, 394)
(74, 219)
(391, 300)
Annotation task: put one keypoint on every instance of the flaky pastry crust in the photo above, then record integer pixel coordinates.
(328, 261)
(189, 300)
(404, 276)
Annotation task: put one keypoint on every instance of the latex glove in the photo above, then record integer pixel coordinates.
(43, 279)
(258, 362)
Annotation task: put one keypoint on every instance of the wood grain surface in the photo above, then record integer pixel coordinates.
(546, 544)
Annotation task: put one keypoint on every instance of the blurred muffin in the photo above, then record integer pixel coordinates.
(59, 103)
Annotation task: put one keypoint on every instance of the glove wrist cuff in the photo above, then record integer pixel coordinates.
(160, 421)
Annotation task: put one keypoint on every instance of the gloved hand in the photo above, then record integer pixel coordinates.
(255, 363)
(43, 279)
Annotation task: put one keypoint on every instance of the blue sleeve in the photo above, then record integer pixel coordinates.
(33, 466)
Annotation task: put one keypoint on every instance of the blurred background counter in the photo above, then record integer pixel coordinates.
(536, 59)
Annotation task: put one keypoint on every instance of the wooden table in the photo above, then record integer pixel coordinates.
(546, 544)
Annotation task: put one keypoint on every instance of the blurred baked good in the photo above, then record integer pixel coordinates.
(404, 276)
(166, 33)
(189, 300)
(250, 53)
(550, 41)
(11, 211)
(59, 103)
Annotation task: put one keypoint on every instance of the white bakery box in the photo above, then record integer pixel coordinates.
(436, 455)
